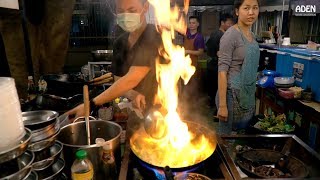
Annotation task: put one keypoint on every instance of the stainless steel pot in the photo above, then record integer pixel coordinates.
(73, 137)
(17, 168)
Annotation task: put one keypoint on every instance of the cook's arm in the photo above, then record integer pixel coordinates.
(131, 94)
(123, 84)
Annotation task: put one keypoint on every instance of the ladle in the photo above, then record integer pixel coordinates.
(86, 111)
(154, 123)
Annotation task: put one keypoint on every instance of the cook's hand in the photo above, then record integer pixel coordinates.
(139, 102)
(76, 112)
(223, 113)
(187, 51)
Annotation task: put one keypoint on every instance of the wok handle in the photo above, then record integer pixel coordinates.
(86, 111)
(78, 118)
(168, 173)
(86, 101)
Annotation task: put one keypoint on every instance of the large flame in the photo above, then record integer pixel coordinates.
(180, 147)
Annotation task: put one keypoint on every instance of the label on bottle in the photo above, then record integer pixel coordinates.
(108, 157)
(83, 176)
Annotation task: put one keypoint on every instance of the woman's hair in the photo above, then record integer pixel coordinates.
(238, 3)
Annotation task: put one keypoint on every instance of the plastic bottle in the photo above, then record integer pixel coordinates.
(125, 111)
(116, 110)
(31, 88)
(266, 62)
(108, 158)
(82, 168)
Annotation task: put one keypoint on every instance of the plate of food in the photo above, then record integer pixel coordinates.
(273, 124)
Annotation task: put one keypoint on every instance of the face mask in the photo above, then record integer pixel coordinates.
(129, 21)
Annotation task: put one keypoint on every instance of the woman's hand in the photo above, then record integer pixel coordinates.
(223, 113)
(76, 112)
(139, 101)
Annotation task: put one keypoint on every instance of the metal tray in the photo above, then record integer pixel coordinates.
(16, 150)
(37, 118)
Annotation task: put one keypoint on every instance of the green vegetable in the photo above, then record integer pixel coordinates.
(274, 124)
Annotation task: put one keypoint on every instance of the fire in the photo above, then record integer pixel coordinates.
(181, 146)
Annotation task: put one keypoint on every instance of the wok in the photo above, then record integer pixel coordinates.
(149, 158)
(66, 85)
(57, 103)
(264, 163)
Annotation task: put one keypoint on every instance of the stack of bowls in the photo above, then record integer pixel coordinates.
(45, 128)
(11, 125)
(15, 160)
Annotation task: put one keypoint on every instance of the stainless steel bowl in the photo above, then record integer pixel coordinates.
(53, 171)
(17, 168)
(284, 80)
(45, 132)
(46, 157)
(32, 176)
(16, 150)
(38, 119)
(40, 145)
(102, 55)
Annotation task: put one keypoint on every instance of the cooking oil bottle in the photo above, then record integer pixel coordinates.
(82, 168)
(108, 158)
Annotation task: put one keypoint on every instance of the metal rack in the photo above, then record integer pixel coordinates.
(92, 71)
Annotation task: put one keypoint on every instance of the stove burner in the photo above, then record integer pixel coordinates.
(213, 167)
(158, 173)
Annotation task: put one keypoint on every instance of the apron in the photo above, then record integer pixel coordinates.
(189, 45)
(243, 86)
(190, 92)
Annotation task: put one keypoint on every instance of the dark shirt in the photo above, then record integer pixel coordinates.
(143, 53)
(213, 44)
(199, 40)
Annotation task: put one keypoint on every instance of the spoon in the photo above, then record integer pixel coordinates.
(154, 123)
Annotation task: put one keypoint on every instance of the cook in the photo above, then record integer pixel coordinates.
(237, 68)
(135, 53)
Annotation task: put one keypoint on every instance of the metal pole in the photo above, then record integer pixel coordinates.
(26, 38)
(282, 17)
(281, 24)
